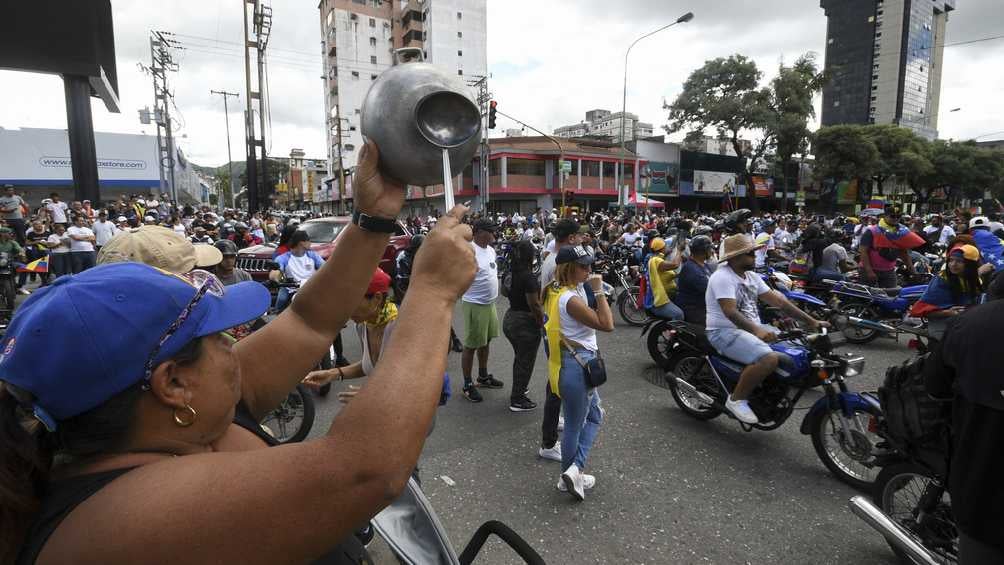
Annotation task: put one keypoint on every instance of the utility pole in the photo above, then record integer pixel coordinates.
(260, 25)
(161, 62)
(341, 166)
(484, 155)
(230, 159)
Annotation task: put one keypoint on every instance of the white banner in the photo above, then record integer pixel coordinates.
(44, 154)
(714, 181)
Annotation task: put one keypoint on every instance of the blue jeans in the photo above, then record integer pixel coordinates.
(581, 405)
(740, 345)
(668, 311)
(820, 275)
(282, 299)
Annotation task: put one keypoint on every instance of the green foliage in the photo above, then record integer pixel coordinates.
(844, 152)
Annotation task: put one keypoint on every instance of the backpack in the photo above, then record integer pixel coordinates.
(913, 419)
(802, 263)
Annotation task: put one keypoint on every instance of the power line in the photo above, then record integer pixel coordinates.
(974, 40)
(238, 44)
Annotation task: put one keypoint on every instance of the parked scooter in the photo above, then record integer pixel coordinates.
(890, 305)
(700, 380)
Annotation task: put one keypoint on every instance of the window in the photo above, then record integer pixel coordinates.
(460, 35)
(875, 77)
(609, 169)
(922, 68)
(373, 77)
(460, 53)
(357, 111)
(878, 34)
(373, 59)
(494, 167)
(355, 74)
(836, 103)
(874, 98)
(372, 42)
(372, 22)
(526, 167)
(590, 168)
(460, 16)
(460, 72)
(350, 147)
(875, 87)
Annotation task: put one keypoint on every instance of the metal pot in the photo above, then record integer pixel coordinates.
(413, 111)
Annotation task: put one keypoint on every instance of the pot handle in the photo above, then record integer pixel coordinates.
(416, 52)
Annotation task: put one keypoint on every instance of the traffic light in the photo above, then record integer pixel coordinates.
(491, 114)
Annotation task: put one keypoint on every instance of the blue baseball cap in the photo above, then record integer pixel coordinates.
(85, 338)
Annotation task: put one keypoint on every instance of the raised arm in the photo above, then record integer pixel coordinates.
(277, 357)
(218, 503)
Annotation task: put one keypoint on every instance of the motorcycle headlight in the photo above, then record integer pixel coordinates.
(854, 366)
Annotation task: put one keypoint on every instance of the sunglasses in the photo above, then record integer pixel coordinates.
(206, 283)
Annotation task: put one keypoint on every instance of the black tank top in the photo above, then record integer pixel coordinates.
(65, 495)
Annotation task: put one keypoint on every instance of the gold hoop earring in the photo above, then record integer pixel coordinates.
(185, 423)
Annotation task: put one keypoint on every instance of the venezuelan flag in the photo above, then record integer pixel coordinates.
(36, 266)
(894, 237)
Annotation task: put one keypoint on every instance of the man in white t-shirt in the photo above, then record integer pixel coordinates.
(57, 210)
(481, 320)
(81, 245)
(767, 239)
(733, 320)
(104, 230)
(939, 231)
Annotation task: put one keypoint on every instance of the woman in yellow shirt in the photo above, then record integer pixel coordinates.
(662, 281)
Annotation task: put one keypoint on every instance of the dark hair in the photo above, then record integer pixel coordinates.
(298, 237)
(971, 276)
(287, 233)
(27, 449)
(522, 256)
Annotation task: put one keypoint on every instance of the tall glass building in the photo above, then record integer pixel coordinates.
(884, 58)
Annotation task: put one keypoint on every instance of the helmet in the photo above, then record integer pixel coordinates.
(700, 244)
(241, 226)
(416, 242)
(979, 222)
(740, 216)
(226, 247)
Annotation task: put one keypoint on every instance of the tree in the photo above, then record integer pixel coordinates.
(791, 102)
(901, 153)
(844, 152)
(725, 95)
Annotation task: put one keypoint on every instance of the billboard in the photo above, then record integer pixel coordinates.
(663, 177)
(717, 182)
(764, 186)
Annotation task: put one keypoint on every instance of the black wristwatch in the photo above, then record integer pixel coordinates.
(373, 223)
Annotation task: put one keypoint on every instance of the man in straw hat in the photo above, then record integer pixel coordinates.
(733, 321)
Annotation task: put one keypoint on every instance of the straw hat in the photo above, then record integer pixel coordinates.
(738, 244)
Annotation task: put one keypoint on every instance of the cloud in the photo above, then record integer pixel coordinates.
(551, 62)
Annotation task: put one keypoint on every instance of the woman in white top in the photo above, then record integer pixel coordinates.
(59, 251)
(579, 323)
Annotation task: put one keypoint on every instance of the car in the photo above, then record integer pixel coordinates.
(323, 234)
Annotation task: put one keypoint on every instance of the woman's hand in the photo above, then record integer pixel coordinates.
(445, 263)
(596, 282)
(376, 195)
(316, 379)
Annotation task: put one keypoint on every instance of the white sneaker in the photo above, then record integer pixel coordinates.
(588, 482)
(561, 423)
(552, 453)
(574, 482)
(741, 410)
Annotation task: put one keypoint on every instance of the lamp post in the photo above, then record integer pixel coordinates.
(682, 19)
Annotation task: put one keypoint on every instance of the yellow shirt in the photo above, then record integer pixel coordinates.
(663, 282)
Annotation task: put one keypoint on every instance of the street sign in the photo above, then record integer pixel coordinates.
(566, 166)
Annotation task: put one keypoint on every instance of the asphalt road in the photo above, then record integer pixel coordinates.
(670, 489)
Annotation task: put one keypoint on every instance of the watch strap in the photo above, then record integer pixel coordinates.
(374, 223)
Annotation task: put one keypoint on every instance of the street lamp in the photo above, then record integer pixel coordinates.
(681, 20)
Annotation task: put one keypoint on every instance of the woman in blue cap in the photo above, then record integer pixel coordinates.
(129, 419)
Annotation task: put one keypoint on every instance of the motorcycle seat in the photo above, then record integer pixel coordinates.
(891, 292)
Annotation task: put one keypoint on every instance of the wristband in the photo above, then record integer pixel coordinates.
(341, 375)
(374, 223)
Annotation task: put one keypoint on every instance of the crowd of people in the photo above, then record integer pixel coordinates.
(141, 424)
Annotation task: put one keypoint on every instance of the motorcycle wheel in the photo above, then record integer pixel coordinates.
(627, 305)
(291, 421)
(694, 369)
(661, 346)
(898, 491)
(855, 334)
(853, 464)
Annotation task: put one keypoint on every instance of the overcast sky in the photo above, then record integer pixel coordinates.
(551, 61)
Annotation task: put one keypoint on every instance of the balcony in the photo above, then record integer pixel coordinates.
(412, 15)
(332, 51)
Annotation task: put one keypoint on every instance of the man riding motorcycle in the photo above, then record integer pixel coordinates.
(733, 321)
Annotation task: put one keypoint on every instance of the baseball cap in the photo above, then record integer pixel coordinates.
(484, 224)
(658, 244)
(979, 222)
(92, 364)
(380, 282)
(966, 252)
(159, 247)
(575, 253)
(226, 247)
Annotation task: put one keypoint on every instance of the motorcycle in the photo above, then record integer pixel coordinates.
(700, 380)
(870, 303)
(616, 271)
(910, 503)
